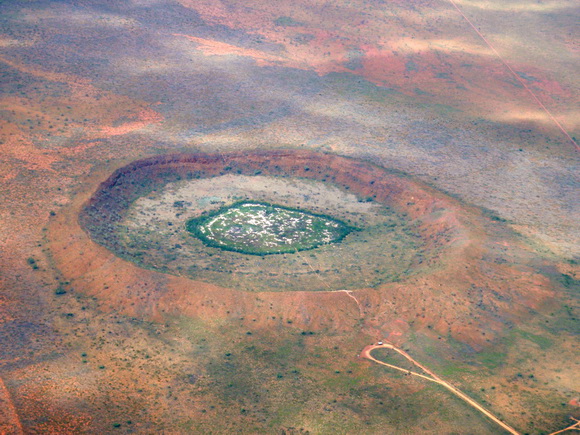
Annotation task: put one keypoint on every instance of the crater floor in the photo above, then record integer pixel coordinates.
(154, 235)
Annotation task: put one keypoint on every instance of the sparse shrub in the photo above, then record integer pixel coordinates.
(60, 291)
(32, 262)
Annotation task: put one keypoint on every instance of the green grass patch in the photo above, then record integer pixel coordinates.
(492, 360)
(287, 22)
(569, 282)
(540, 340)
(454, 370)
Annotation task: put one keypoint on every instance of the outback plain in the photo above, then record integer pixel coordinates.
(210, 209)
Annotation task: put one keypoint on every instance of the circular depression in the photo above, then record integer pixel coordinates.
(140, 213)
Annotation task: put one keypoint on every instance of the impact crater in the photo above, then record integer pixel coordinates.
(270, 220)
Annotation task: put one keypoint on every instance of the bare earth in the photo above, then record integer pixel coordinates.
(456, 120)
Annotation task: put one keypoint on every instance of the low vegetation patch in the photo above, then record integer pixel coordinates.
(259, 228)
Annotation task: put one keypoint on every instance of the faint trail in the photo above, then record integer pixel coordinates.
(575, 426)
(9, 420)
(313, 269)
(353, 297)
(366, 353)
(348, 292)
(222, 156)
(518, 78)
(350, 295)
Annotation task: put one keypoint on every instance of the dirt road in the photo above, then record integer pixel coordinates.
(366, 353)
(575, 427)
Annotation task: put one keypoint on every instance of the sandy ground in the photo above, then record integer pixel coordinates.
(209, 194)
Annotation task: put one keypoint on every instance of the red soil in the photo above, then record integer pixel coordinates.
(459, 293)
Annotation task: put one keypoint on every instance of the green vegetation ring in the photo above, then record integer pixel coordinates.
(261, 228)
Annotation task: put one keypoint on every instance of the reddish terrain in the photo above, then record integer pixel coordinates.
(450, 231)
(92, 343)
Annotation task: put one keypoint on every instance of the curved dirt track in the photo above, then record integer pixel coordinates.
(366, 353)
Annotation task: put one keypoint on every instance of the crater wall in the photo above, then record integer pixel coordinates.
(472, 280)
